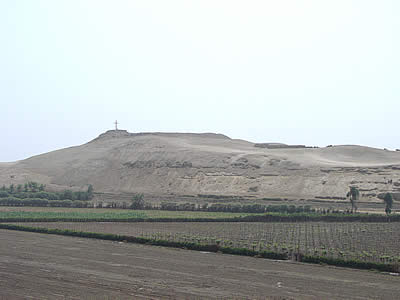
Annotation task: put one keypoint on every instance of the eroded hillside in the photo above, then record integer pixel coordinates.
(161, 164)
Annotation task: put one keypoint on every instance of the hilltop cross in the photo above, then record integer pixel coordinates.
(116, 125)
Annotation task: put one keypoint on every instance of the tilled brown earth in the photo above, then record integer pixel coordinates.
(40, 266)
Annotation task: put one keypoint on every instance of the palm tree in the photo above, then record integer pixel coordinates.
(354, 195)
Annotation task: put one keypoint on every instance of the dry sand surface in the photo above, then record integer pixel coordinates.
(161, 164)
(39, 266)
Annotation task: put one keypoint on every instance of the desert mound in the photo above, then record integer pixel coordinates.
(190, 164)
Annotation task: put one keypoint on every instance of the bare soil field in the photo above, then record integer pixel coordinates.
(39, 266)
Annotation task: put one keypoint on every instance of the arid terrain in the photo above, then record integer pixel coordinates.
(183, 166)
(40, 266)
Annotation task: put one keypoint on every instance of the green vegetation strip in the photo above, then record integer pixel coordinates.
(71, 216)
(160, 216)
(209, 248)
(129, 216)
(51, 214)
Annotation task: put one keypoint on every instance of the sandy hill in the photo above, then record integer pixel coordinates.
(161, 164)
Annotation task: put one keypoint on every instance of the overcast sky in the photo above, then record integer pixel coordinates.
(301, 72)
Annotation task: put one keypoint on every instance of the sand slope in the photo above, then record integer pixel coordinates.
(191, 164)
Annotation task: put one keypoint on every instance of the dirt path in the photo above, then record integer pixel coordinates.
(39, 266)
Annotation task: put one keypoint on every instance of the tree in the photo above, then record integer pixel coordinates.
(354, 195)
(66, 194)
(137, 201)
(35, 186)
(90, 191)
(19, 188)
(388, 199)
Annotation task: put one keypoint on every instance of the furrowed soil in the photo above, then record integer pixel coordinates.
(40, 266)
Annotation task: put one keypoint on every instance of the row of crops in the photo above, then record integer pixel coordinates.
(15, 214)
(106, 214)
(366, 242)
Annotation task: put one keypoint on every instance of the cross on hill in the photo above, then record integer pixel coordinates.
(116, 125)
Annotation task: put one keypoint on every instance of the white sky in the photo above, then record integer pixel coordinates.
(302, 72)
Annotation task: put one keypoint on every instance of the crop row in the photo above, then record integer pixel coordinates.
(368, 242)
(105, 214)
(216, 247)
(44, 214)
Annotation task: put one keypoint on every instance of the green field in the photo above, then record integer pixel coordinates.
(61, 213)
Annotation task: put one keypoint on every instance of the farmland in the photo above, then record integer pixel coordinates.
(61, 214)
(360, 244)
(105, 213)
(367, 242)
(41, 266)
